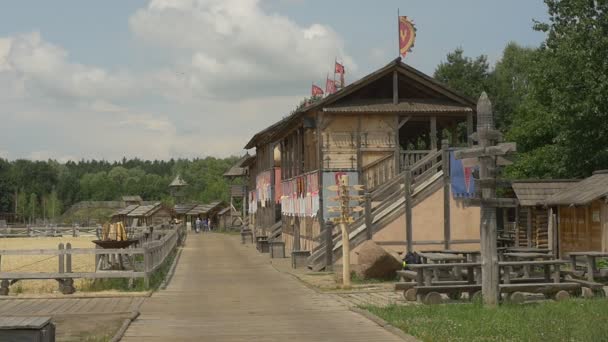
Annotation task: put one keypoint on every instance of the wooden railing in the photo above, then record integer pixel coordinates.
(46, 231)
(379, 171)
(155, 249)
(411, 157)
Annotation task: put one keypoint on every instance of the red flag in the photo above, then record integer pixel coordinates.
(407, 35)
(317, 91)
(330, 86)
(339, 69)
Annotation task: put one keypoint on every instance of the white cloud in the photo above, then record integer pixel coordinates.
(236, 49)
(231, 70)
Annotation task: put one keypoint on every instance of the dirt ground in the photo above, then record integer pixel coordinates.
(44, 263)
(87, 328)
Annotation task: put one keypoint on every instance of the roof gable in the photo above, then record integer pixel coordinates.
(583, 192)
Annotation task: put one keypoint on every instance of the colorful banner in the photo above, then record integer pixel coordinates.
(330, 86)
(253, 202)
(263, 187)
(316, 91)
(300, 196)
(407, 36)
(461, 178)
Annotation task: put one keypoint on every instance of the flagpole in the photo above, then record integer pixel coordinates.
(398, 33)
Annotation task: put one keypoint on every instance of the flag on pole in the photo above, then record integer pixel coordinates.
(339, 69)
(407, 35)
(330, 86)
(317, 91)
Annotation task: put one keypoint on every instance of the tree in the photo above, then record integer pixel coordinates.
(468, 76)
(22, 205)
(32, 211)
(572, 82)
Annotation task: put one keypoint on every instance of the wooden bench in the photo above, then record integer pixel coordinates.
(546, 264)
(556, 290)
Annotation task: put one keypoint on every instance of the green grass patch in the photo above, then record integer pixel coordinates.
(572, 320)
(128, 285)
(356, 280)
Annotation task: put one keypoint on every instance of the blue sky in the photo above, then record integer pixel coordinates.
(170, 78)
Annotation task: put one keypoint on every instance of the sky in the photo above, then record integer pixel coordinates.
(161, 79)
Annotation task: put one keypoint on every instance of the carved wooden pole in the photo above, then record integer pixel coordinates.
(344, 227)
(487, 169)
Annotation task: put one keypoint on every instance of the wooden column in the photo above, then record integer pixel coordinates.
(445, 159)
(397, 147)
(359, 153)
(320, 168)
(368, 216)
(469, 128)
(408, 208)
(329, 245)
(395, 87)
(529, 227)
(433, 133)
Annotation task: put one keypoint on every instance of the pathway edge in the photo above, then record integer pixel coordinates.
(384, 324)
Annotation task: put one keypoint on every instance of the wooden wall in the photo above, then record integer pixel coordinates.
(580, 228)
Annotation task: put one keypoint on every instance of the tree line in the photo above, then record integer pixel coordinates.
(551, 99)
(44, 189)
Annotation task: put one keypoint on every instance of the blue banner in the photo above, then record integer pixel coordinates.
(461, 178)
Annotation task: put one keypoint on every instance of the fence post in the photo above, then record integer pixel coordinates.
(61, 258)
(329, 245)
(68, 258)
(146, 267)
(368, 216)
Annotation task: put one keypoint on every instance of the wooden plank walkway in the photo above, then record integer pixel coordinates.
(69, 306)
(224, 292)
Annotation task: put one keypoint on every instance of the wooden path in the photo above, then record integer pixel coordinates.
(223, 291)
(69, 306)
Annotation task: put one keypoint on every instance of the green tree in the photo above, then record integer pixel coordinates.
(22, 205)
(32, 210)
(466, 75)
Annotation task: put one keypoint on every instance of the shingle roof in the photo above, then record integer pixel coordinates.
(144, 210)
(178, 181)
(536, 192)
(404, 106)
(126, 210)
(131, 198)
(583, 192)
(237, 170)
(203, 209)
(181, 209)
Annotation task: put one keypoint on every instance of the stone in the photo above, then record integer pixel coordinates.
(376, 263)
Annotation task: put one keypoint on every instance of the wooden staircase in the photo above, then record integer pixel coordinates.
(388, 204)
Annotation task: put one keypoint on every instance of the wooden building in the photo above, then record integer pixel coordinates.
(132, 200)
(205, 211)
(582, 215)
(148, 215)
(121, 214)
(370, 130)
(532, 214)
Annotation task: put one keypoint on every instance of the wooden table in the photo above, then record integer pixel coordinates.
(589, 260)
(470, 256)
(526, 256)
(527, 250)
(441, 258)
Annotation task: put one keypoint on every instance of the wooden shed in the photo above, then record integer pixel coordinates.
(152, 214)
(121, 214)
(582, 215)
(532, 214)
(203, 211)
(132, 200)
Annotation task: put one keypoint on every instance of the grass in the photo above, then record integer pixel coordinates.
(356, 280)
(572, 320)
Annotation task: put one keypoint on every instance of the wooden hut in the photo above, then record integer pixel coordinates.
(151, 214)
(229, 218)
(132, 200)
(204, 211)
(121, 215)
(532, 215)
(582, 215)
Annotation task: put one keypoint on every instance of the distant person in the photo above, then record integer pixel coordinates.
(205, 224)
(197, 225)
(209, 223)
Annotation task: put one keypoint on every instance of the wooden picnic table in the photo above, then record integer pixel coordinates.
(468, 255)
(589, 260)
(526, 256)
(527, 250)
(435, 257)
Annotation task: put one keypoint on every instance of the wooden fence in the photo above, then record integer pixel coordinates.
(47, 231)
(154, 249)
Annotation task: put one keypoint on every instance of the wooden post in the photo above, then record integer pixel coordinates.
(434, 133)
(368, 216)
(359, 153)
(68, 258)
(320, 168)
(408, 208)
(147, 262)
(487, 167)
(61, 259)
(344, 228)
(397, 147)
(329, 246)
(395, 88)
(529, 227)
(445, 159)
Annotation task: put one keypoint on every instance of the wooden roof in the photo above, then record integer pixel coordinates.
(404, 106)
(204, 209)
(536, 192)
(126, 210)
(418, 82)
(145, 210)
(237, 170)
(583, 192)
(181, 209)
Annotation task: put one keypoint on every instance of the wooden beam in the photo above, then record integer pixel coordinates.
(359, 153)
(529, 227)
(469, 128)
(408, 209)
(395, 87)
(403, 121)
(433, 133)
(320, 168)
(397, 168)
